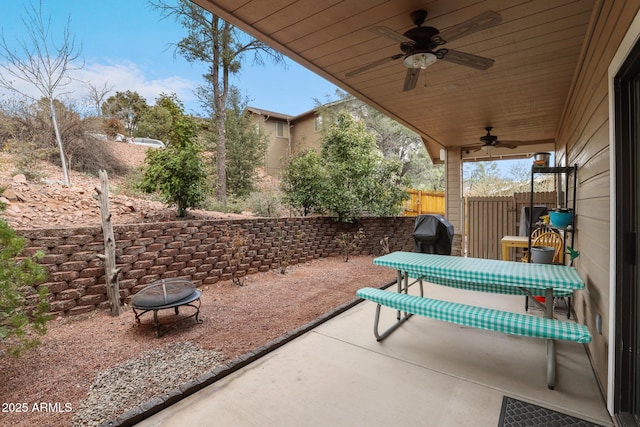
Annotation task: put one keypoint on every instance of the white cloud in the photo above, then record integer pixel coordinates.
(122, 76)
(129, 76)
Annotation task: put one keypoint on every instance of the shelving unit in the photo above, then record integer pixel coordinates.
(565, 172)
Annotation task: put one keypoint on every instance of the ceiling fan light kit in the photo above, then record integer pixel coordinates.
(488, 149)
(420, 60)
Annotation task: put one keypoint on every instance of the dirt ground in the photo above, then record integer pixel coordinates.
(76, 350)
(236, 320)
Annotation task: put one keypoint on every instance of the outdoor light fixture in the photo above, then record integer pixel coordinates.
(420, 60)
(488, 149)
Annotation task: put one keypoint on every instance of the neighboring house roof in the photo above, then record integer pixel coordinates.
(272, 114)
(268, 113)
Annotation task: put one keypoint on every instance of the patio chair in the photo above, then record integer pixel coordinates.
(554, 240)
(551, 239)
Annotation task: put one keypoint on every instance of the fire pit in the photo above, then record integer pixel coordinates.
(164, 294)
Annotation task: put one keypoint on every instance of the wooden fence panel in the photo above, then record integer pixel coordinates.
(424, 202)
(488, 219)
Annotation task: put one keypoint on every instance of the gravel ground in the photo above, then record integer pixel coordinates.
(124, 385)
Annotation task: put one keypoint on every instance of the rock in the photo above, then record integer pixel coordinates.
(20, 178)
(47, 203)
(10, 194)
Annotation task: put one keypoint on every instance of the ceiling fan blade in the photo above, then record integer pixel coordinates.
(505, 144)
(467, 59)
(373, 65)
(411, 79)
(471, 148)
(388, 32)
(481, 22)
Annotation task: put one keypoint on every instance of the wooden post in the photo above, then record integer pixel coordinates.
(111, 272)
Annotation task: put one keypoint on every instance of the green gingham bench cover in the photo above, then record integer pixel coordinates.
(479, 317)
(485, 275)
(491, 287)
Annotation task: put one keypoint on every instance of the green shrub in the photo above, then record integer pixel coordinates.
(235, 206)
(23, 310)
(350, 242)
(349, 179)
(178, 174)
(28, 157)
(266, 203)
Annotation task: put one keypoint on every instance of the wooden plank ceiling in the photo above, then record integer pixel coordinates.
(537, 49)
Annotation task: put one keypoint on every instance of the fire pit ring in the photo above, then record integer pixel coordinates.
(163, 294)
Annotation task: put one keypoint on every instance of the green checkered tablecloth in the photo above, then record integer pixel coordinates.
(485, 275)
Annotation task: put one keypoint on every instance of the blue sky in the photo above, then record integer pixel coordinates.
(127, 45)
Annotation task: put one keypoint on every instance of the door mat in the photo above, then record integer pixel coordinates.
(516, 413)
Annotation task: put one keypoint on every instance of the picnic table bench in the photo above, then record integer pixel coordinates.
(493, 276)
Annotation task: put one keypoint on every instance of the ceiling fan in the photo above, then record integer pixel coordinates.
(419, 45)
(492, 140)
(489, 141)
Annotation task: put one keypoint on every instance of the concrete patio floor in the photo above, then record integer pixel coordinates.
(427, 373)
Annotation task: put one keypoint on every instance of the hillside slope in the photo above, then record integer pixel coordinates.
(48, 204)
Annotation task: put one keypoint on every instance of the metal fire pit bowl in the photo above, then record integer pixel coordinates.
(163, 294)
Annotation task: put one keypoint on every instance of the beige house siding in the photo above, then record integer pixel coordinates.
(305, 136)
(278, 147)
(276, 155)
(583, 139)
(299, 135)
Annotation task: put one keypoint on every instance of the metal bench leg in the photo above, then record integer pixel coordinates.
(551, 344)
(376, 322)
(400, 318)
(551, 364)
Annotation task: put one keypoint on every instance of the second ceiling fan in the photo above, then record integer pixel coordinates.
(420, 45)
(489, 141)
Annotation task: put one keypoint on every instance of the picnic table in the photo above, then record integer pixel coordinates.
(482, 275)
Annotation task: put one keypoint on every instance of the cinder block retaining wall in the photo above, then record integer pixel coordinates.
(200, 251)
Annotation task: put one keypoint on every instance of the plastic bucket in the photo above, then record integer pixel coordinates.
(542, 254)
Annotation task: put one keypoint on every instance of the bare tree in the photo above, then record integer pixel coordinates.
(97, 95)
(42, 64)
(222, 47)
